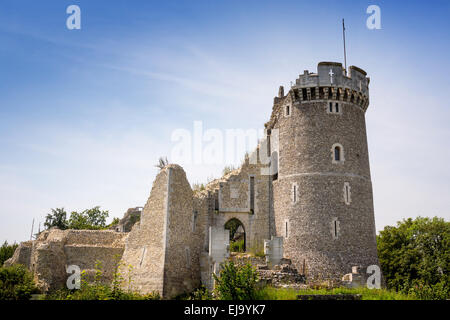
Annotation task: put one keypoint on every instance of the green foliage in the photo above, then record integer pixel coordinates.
(89, 219)
(415, 257)
(232, 225)
(16, 283)
(237, 246)
(99, 290)
(271, 293)
(201, 293)
(115, 222)
(438, 291)
(7, 251)
(236, 282)
(58, 218)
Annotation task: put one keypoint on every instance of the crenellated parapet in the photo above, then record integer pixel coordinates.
(331, 83)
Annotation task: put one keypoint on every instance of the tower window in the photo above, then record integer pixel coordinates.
(252, 194)
(286, 229)
(287, 111)
(337, 153)
(335, 228)
(294, 193)
(194, 220)
(347, 193)
(334, 107)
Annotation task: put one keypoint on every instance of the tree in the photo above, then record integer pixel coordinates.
(90, 219)
(7, 251)
(416, 254)
(56, 219)
(16, 283)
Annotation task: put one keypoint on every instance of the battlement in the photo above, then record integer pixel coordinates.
(332, 74)
(329, 83)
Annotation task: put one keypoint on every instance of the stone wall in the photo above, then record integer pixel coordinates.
(312, 240)
(165, 247)
(54, 250)
(234, 202)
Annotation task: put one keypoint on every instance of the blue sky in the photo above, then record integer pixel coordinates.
(85, 114)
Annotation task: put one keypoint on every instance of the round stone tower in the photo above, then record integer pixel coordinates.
(322, 191)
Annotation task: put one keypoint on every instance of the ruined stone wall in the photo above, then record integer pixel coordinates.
(54, 250)
(165, 247)
(184, 238)
(145, 245)
(234, 202)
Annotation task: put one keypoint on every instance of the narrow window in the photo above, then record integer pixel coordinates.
(286, 230)
(194, 220)
(252, 194)
(294, 195)
(337, 154)
(347, 193)
(337, 107)
(335, 229)
(331, 106)
(288, 109)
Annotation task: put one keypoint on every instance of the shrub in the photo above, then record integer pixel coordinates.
(236, 282)
(423, 291)
(98, 290)
(7, 251)
(237, 246)
(16, 283)
(415, 257)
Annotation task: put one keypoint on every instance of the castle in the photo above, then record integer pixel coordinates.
(305, 194)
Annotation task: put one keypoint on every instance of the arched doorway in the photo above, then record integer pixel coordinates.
(237, 235)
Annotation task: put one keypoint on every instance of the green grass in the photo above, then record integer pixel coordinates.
(237, 246)
(271, 293)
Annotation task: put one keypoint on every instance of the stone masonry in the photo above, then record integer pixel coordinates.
(306, 190)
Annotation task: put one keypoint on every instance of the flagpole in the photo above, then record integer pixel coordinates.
(345, 53)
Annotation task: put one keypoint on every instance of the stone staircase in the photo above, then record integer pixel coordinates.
(282, 275)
